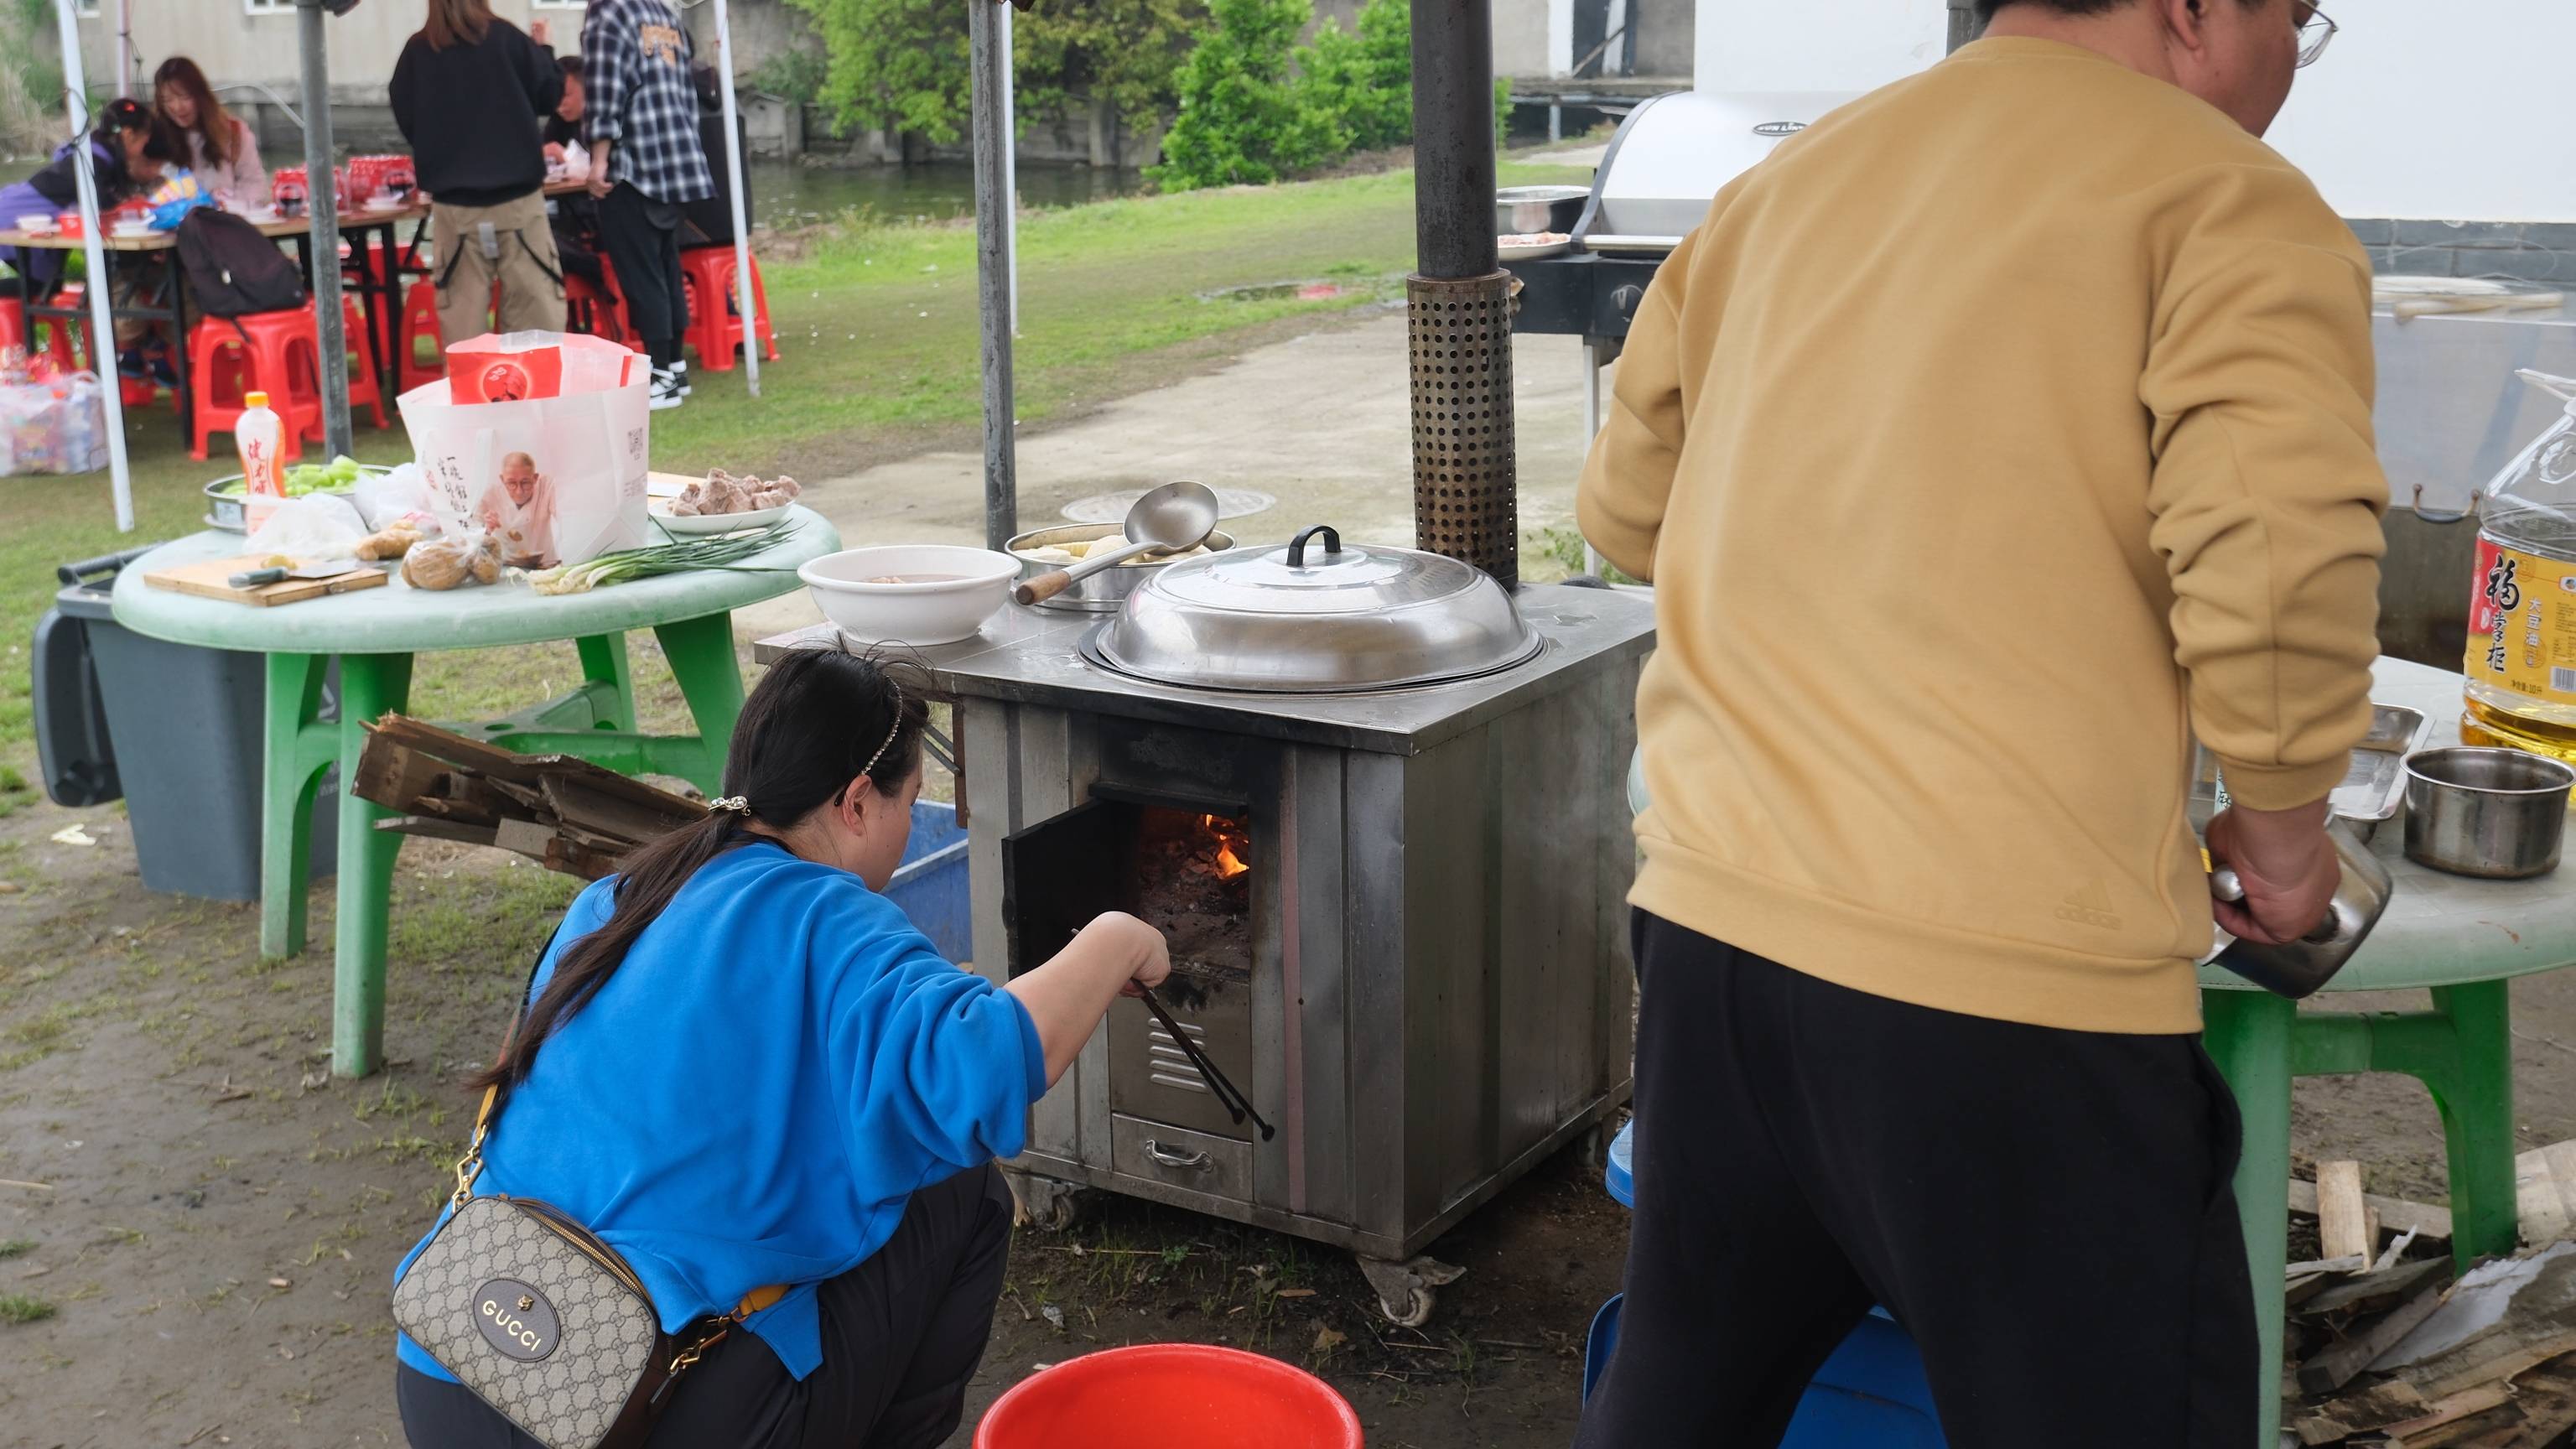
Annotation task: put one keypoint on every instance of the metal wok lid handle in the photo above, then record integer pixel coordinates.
(1297, 545)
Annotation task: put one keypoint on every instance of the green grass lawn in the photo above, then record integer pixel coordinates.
(877, 325)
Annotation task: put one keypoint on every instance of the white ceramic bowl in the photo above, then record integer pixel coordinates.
(966, 587)
(38, 225)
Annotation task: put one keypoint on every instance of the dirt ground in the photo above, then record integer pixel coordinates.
(198, 1223)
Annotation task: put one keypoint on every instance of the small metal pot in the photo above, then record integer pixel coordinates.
(2495, 814)
(224, 510)
(1105, 591)
(1526, 210)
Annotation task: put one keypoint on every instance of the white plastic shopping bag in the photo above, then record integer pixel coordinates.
(557, 479)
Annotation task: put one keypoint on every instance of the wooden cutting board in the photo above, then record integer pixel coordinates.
(212, 580)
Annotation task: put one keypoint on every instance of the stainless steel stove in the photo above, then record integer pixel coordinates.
(1398, 919)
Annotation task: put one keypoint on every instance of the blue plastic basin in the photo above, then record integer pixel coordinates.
(930, 885)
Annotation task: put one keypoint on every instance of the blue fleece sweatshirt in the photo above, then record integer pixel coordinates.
(781, 1061)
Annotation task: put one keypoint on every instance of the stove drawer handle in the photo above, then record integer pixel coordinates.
(1297, 545)
(1186, 1161)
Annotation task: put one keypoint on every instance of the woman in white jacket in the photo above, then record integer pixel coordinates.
(221, 149)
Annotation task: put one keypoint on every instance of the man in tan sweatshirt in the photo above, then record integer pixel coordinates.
(2003, 432)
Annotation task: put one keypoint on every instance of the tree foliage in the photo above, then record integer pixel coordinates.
(895, 63)
(1245, 117)
(1125, 52)
(1363, 78)
(903, 63)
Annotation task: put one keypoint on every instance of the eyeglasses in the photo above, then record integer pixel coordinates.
(2316, 30)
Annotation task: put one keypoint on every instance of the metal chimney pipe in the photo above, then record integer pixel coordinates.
(1465, 481)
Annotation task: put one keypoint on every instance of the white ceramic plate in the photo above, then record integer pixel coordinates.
(1530, 252)
(700, 525)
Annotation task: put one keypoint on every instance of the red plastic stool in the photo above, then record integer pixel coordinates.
(715, 309)
(13, 322)
(66, 341)
(363, 384)
(420, 320)
(625, 320)
(278, 353)
(592, 309)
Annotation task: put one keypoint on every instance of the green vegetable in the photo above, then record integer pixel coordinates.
(337, 476)
(662, 558)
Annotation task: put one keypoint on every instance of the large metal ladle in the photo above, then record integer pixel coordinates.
(1173, 517)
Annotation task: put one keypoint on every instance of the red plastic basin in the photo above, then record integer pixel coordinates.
(1170, 1396)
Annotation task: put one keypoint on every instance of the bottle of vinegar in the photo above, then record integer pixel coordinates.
(2521, 661)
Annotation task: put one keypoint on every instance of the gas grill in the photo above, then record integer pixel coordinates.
(1664, 165)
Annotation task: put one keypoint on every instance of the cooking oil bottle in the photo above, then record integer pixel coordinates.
(2521, 662)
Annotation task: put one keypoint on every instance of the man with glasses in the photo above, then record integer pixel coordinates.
(2004, 432)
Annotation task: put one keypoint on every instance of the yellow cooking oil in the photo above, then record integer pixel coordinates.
(2521, 659)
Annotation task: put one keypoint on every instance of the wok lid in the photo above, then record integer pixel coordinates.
(1332, 618)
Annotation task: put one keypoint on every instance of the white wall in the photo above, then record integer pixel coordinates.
(2444, 110)
(1822, 45)
(2449, 110)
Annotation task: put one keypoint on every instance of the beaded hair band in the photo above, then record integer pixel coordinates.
(870, 768)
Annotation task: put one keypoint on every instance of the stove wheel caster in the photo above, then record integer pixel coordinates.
(1046, 1203)
(1407, 1292)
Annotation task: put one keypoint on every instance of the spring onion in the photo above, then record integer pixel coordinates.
(722, 551)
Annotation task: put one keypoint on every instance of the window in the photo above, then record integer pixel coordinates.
(269, 7)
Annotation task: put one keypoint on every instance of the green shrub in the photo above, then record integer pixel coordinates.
(798, 73)
(1363, 79)
(1245, 118)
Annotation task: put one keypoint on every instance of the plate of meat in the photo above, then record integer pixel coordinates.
(724, 504)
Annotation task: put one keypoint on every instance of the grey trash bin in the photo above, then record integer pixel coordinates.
(176, 730)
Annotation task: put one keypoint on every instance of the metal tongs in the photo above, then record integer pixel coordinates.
(1237, 1106)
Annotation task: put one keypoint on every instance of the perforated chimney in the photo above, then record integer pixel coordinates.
(1466, 485)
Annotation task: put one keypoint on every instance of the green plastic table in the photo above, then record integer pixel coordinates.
(2463, 939)
(372, 636)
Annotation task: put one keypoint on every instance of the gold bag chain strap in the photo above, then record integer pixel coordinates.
(470, 1167)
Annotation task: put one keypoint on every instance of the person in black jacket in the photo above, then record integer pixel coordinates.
(126, 156)
(575, 217)
(467, 94)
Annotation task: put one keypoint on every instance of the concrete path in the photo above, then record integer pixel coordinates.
(1322, 422)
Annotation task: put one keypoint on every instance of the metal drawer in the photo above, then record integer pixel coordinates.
(1197, 1161)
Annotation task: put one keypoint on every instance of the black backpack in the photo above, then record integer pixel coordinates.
(234, 270)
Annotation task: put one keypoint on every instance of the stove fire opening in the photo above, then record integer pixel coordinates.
(1192, 880)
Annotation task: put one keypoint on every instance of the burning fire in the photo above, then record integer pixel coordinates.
(1228, 864)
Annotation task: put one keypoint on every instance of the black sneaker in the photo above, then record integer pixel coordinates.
(667, 390)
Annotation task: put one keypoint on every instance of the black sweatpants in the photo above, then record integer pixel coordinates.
(2049, 1214)
(643, 240)
(902, 1335)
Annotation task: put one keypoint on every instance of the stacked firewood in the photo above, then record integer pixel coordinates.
(2393, 1350)
(564, 813)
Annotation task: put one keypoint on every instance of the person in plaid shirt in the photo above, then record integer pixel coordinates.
(642, 123)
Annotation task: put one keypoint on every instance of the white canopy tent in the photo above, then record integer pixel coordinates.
(319, 159)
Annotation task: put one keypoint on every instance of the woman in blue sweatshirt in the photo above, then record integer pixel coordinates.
(744, 1069)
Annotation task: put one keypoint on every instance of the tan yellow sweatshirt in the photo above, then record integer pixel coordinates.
(2004, 429)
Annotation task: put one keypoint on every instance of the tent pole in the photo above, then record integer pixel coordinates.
(124, 47)
(1010, 162)
(990, 63)
(744, 293)
(102, 314)
(323, 192)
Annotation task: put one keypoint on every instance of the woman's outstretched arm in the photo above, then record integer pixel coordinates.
(1115, 955)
